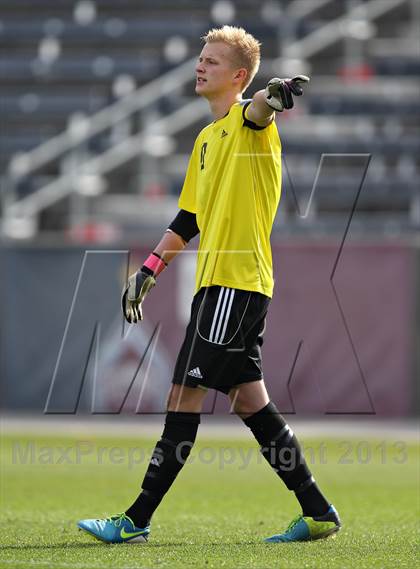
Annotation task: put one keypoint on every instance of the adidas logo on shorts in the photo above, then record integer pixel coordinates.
(195, 373)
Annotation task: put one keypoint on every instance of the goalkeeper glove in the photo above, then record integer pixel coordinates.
(278, 93)
(138, 286)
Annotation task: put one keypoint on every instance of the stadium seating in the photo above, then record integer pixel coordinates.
(66, 58)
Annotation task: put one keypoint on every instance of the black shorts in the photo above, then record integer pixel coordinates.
(222, 345)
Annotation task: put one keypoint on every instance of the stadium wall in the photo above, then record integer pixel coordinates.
(341, 332)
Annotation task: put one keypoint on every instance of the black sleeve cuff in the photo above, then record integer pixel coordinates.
(249, 123)
(185, 225)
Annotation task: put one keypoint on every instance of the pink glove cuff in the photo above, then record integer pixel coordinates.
(155, 264)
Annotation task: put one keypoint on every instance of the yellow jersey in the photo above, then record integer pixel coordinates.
(233, 185)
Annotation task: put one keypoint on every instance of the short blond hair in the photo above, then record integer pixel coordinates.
(245, 47)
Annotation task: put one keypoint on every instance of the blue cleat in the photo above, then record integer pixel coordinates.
(116, 529)
(305, 528)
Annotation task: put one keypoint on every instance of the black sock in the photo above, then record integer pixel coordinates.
(168, 458)
(281, 449)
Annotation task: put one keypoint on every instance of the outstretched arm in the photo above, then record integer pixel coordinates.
(258, 111)
(277, 96)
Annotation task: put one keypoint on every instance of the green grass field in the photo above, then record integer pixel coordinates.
(216, 514)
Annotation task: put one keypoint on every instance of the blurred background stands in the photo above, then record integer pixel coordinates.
(99, 113)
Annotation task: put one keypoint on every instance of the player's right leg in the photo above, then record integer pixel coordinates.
(282, 451)
(169, 456)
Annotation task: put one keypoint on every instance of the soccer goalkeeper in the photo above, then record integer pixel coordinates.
(230, 197)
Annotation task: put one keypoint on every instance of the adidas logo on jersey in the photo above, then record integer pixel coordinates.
(224, 133)
(195, 373)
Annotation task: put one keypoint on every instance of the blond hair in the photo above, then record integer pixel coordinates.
(245, 47)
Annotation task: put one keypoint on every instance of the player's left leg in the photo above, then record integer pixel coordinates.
(171, 451)
(169, 456)
(281, 449)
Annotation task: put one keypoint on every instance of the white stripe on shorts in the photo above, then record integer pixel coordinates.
(224, 315)
(216, 312)
(221, 317)
(222, 335)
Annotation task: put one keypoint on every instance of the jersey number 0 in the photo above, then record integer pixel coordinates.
(203, 154)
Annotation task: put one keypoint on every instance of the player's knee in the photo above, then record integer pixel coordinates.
(244, 407)
(248, 398)
(185, 399)
(238, 401)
